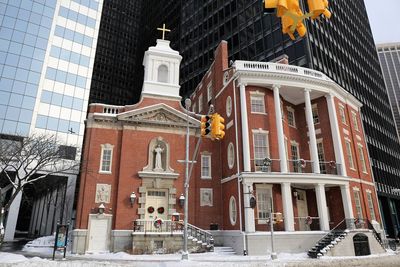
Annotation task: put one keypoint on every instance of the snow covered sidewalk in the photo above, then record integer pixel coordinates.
(39, 252)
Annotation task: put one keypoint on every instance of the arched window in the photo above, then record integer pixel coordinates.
(232, 210)
(162, 74)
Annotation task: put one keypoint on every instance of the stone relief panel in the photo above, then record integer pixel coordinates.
(103, 193)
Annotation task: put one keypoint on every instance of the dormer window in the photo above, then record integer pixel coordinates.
(162, 74)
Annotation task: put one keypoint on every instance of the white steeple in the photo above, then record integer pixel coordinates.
(161, 71)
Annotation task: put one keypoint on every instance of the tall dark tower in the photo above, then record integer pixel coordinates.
(113, 81)
(342, 47)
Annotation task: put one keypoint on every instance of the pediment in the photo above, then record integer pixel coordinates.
(161, 114)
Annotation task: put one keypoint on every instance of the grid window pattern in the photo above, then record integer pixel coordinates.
(200, 103)
(355, 121)
(209, 92)
(260, 148)
(321, 157)
(342, 114)
(56, 124)
(92, 4)
(257, 104)
(294, 149)
(60, 100)
(263, 203)
(291, 118)
(63, 54)
(371, 206)
(77, 17)
(315, 114)
(73, 36)
(349, 154)
(358, 204)
(362, 158)
(24, 33)
(65, 77)
(106, 157)
(206, 166)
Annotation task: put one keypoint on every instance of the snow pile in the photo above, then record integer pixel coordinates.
(11, 258)
(42, 245)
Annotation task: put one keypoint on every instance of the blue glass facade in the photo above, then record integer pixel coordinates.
(24, 33)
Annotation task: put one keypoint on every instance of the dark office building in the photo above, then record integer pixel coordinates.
(113, 81)
(342, 47)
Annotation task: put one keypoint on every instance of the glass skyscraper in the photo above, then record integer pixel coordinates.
(47, 51)
(389, 57)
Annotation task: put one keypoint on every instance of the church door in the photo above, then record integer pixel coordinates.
(98, 238)
(156, 204)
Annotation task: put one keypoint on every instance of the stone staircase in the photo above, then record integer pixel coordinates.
(224, 251)
(199, 240)
(337, 235)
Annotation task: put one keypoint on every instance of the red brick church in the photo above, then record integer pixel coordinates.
(294, 142)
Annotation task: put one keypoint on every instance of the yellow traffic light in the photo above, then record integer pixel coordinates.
(318, 7)
(280, 6)
(292, 20)
(217, 126)
(205, 125)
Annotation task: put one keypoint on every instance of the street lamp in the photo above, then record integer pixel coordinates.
(182, 200)
(185, 254)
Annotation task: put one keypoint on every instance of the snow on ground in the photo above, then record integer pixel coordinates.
(43, 247)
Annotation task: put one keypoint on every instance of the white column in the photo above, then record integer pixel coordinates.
(12, 218)
(311, 131)
(322, 208)
(245, 129)
(346, 199)
(249, 222)
(337, 141)
(287, 206)
(279, 129)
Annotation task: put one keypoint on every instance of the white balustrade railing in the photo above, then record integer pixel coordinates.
(278, 68)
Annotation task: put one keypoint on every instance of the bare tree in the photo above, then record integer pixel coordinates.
(27, 160)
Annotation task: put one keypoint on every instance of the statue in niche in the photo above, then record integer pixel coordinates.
(158, 162)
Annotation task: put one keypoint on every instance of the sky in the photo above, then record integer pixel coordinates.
(384, 20)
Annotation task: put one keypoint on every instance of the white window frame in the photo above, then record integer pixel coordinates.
(342, 114)
(263, 196)
(228, 106)
(315, 114)
(209, 91)
(350, 158)
(357, 202)
(231, 155)
(291, 119)
(321, 154)
(266, 136)
(294, 144)
(210, 192)
(362, 158)
(208, 157)
(355, 121)
(232, 210)
(200, 103)
(106, 147)
(257, 96)
(371, 205)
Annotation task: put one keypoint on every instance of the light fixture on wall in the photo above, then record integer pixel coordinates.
(182, 200)
(101, 208)
(132, 198)
(295, 193)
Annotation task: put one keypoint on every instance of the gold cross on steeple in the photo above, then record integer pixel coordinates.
(163, 29)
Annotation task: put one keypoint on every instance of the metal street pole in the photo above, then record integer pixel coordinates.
(185, 254)
(271, 221)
